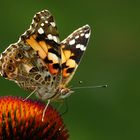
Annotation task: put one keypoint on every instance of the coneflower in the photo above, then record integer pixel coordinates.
(22, 120)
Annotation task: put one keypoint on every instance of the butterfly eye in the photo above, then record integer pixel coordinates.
(10, 68)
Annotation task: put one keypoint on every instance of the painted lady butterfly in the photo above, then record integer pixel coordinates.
(40, 63)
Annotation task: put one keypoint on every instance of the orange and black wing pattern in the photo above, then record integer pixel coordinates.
(43, 37)
(72, 50)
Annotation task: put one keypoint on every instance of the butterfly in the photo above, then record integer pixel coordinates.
(42, 64)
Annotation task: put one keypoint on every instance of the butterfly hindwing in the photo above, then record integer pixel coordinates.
(43, 37)
(72, 50)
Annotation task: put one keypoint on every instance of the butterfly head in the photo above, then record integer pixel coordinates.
(62, 92)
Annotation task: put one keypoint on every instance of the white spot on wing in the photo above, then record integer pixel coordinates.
(42, 17)
(55, 39)
(40, 31)
(42, 24)
(72, 42)
(50, 37)
(52, 23)
(87, 35)
(82, 34)
(77, 37)
(46, 21)
(81, 47)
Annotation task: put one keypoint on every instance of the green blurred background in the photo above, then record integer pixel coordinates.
(112, 58)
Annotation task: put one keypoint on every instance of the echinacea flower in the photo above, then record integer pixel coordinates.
(22, 120)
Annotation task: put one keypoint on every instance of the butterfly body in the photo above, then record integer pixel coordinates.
(39, 62)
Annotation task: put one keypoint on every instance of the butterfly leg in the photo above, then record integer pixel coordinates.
(44, 111)
(30, 94)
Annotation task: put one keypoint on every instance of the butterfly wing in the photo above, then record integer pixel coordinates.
(72, 50)
(43, 37)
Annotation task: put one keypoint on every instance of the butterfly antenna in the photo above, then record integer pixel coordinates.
(44, 111)
(88, 87)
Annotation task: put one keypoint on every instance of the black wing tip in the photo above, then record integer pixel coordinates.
(44, 11)
(86, 28)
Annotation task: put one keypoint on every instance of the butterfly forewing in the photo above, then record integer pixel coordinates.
(43, 37)
(44, 25)
(72, 50)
